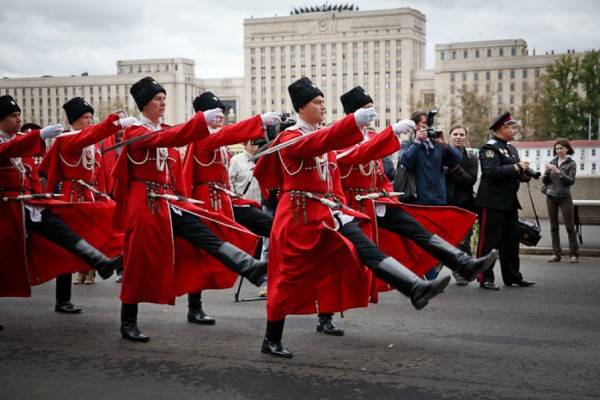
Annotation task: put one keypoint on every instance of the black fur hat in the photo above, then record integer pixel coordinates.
(207, 101)
(302, 92)
(144, 90)
(75, 108)
(354, 99)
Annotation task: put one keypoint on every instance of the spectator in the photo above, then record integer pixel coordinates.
(459, 185)
(558, 178)
(240, 173)
(426, 158)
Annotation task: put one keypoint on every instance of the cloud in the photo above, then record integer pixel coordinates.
(40, 37)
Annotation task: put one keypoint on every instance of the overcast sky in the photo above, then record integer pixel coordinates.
(65, 37)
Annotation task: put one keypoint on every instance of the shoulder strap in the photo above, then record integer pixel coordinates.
(537, 220)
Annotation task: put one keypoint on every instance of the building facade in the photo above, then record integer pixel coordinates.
(41, 99)
(337, 50)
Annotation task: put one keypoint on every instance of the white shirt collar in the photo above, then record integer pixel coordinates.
(144, 121)
(304, 127)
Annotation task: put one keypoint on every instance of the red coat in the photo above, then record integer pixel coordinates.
(362, 172)
(27, 258)
(77, 156)
(206, 163)
(158, 266)
(306, 251)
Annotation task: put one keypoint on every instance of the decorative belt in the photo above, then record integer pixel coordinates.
(298, 199)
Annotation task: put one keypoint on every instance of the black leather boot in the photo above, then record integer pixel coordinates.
(271, 344)
(129, 329)
(63, 296)
(467, 266)
(103, 265)
(408, 283)
(196, 314)
(242, 263)
(327, 327)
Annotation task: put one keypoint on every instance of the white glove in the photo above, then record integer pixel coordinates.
(364, 116)
(51, 131)
(404, 126)
(127, 122)
(271, 118)
(211, 116)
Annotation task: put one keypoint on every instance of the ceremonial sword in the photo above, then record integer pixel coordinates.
(93, 189)
(374, 196)
(33, 196)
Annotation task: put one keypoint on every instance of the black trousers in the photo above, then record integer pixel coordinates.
(400, 222)
(369, 253)
(55, 230)
(500, 230)
(193, 230)
(257, 221)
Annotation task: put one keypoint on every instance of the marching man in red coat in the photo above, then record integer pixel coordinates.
(206, 166)
(315, 237)
(362, 175)
(37, 245)
(168, 240)
(73, 167)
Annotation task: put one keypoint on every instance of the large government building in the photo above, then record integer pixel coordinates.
(337, 47)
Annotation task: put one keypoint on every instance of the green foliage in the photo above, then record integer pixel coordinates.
(570, 90)
(476, 115)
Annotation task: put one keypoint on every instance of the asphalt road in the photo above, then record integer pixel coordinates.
(519, 343)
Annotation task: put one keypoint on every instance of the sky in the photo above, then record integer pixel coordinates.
(67, 37)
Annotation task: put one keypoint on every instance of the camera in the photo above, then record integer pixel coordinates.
(431, 132)
(286, 122)
(532, 174)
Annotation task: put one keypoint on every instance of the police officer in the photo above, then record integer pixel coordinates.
(501, 174)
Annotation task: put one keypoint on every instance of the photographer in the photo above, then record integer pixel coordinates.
(426, 158)
(501, 174)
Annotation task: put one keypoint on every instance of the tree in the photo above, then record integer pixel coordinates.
(589, 76)
(560, 98)
(476, 114)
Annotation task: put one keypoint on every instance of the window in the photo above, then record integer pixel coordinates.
(526, 153)
(512, 74)
(487, 75)
(477, 53)
(464, 76)
(593, 168)
(442, 54)
(454, 55)
(548, 153)
(512, 86)
(499, 74)
(476, 76)
(593, 152)
(537, 72)
(465, 54)
(524, 74)
(489, 52)
(513, 51)
(537, 153)
(451, 76)
(501, 52)
(581, 167)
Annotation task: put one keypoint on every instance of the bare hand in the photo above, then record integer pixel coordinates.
(523, 165)
(421, 135)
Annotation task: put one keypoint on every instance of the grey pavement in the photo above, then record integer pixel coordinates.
(519, 343)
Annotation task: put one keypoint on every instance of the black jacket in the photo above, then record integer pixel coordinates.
(461, 179)
(500, 179)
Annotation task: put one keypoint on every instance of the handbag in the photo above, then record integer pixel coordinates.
(404, 182)
(530, 232)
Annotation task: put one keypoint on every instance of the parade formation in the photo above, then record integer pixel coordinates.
(155, 203)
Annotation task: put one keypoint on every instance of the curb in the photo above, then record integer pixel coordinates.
(547, 251)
